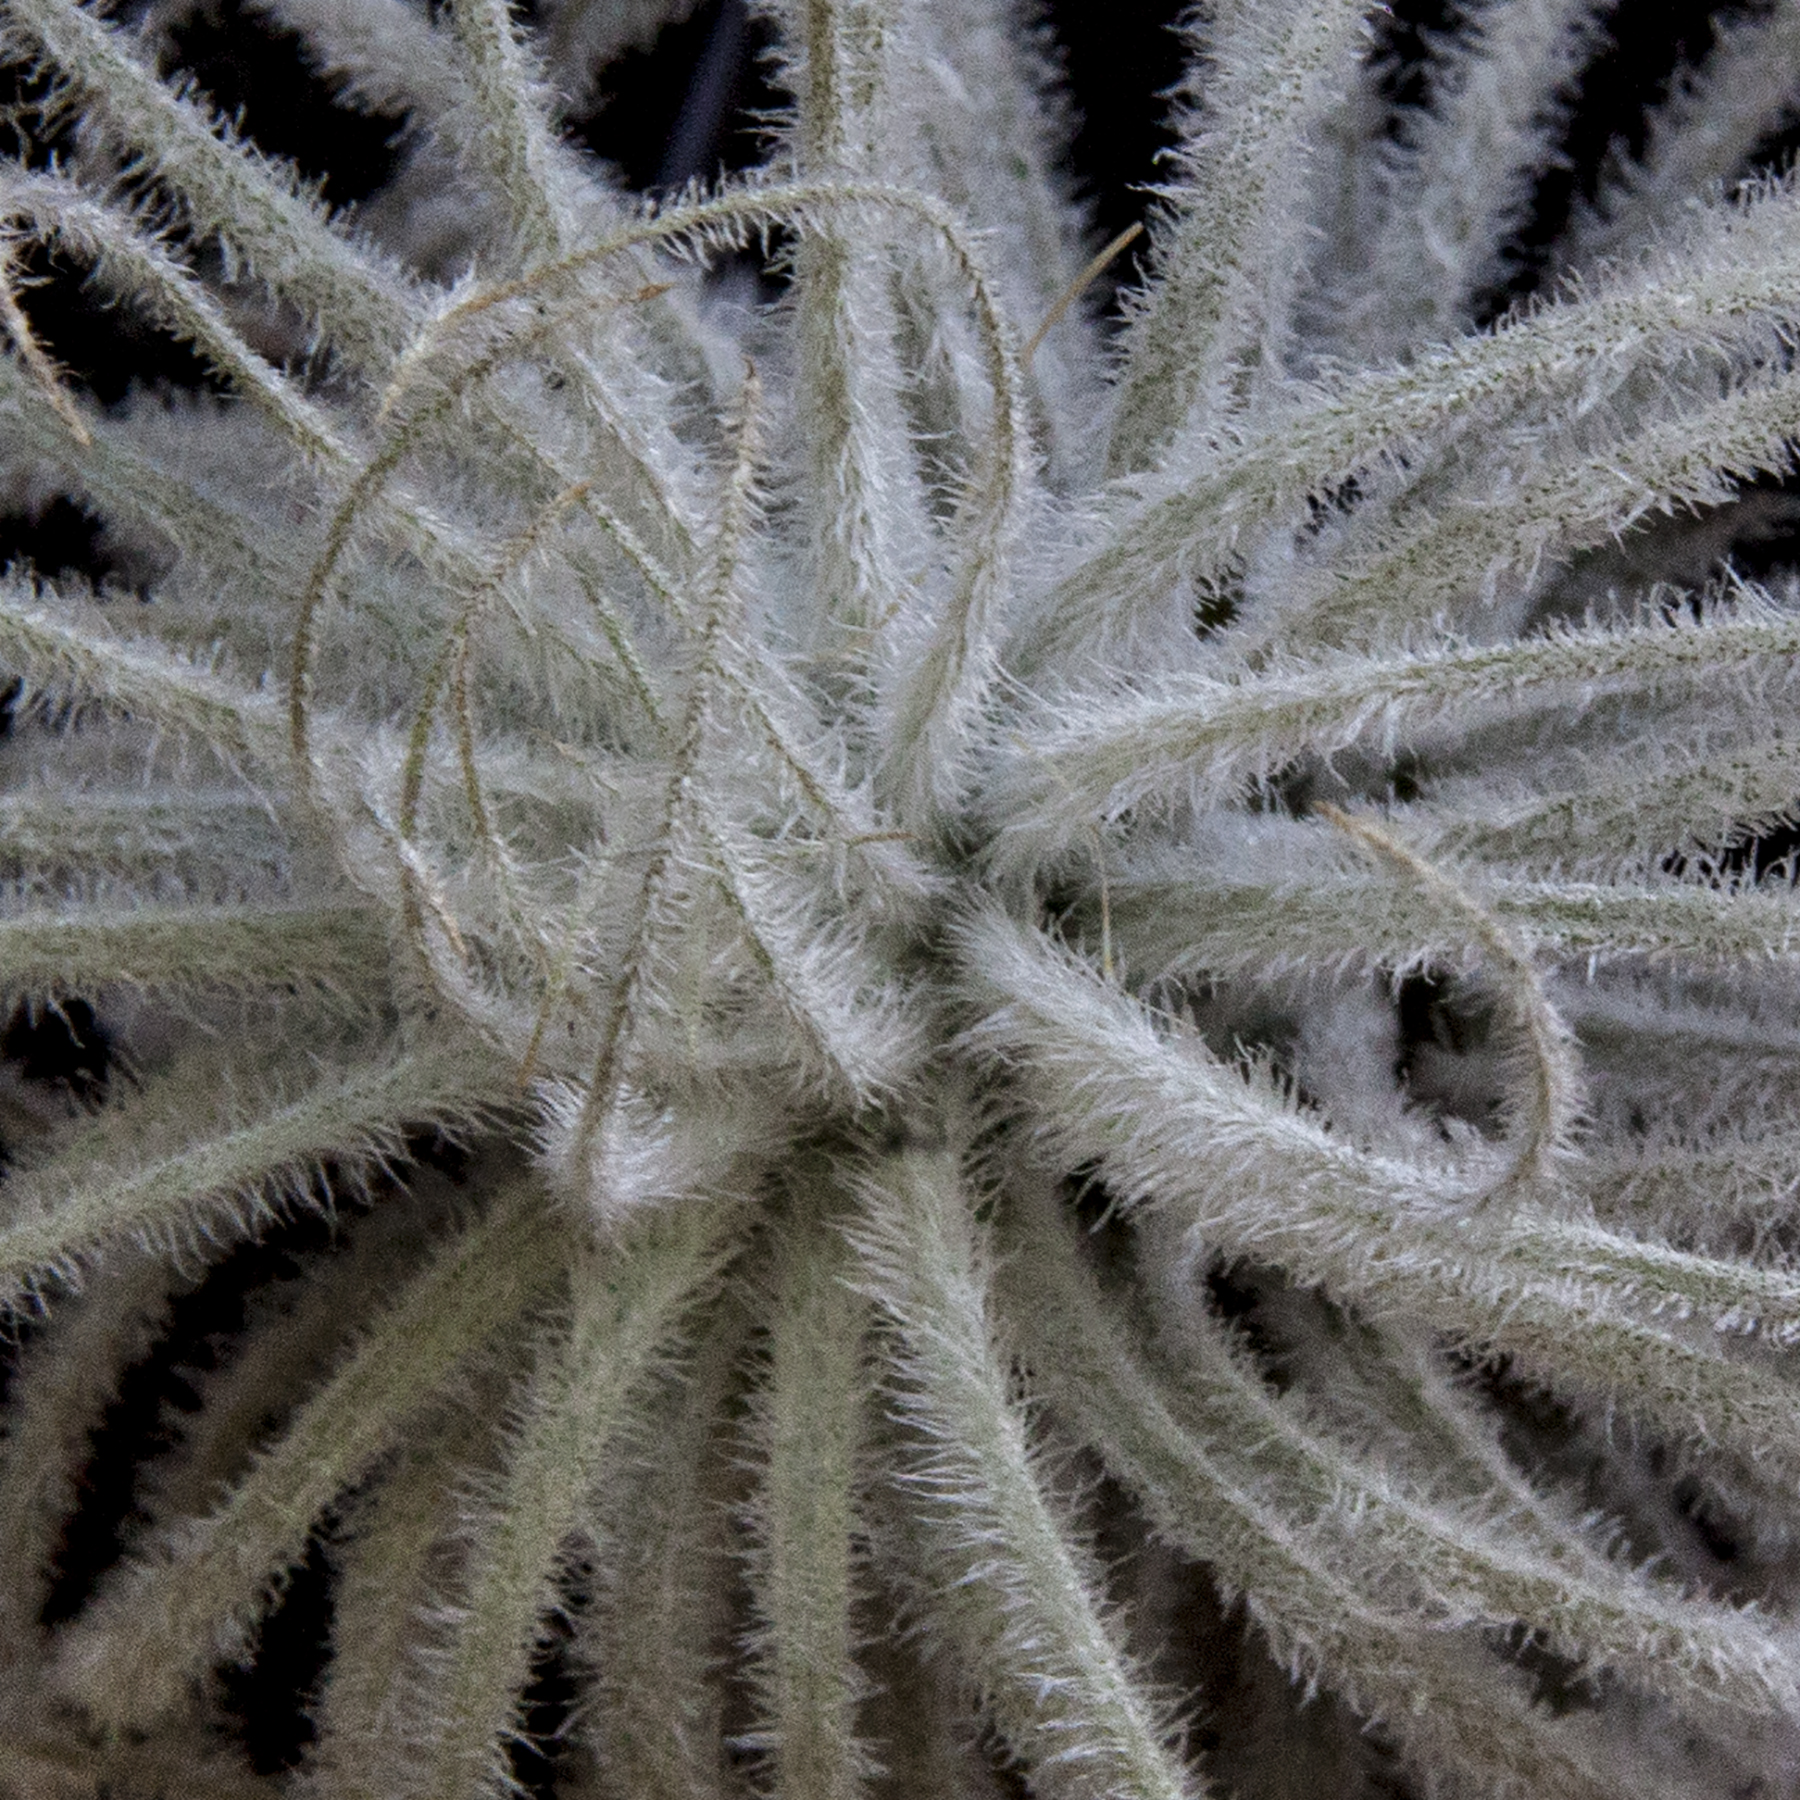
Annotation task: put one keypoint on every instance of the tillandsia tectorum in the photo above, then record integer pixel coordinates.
(1121, 1012)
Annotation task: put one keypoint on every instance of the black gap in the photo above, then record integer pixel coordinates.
(1632, 76)
(1559, 1684)
(1107, 1240)
(1534, 1422)
(136, 1427)
(1435, 1010)
(272, 1695)
(1232, 1289)
(1120, 63)
(432, 1148)
(1773, 560)
(1236, 1290)
(1409, 35)
(59, 539)
(1004, 1774)
(1616, 94)
(23, 94)
(1773, 853)
(61, 1046)
(131, 1430)
(1088, 1198)
(1417, 1003)
(1710, 1523)
(64, 1048)
(1214, 609)
(258, 75)
(689, 107)
(102, 347)
(1765, 546)
(1443, 1021)
(1406, 779)
(545, 1709)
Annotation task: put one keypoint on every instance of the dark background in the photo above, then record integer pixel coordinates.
(686, 109)
(689, 108)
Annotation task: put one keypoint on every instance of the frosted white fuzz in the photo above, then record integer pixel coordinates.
(133, 261)
(1512, 530)
(700, 712)
(852, 1022)
(224, 948)
(1542, 1125)
(1320, 1574)
(869, 533)
(61, 835)
(1167, 1124)
(162, 1622)
(1213, 327)
(1092, 756)
(292, 1331)
(1627, 814)
(381, 54)
(1728, 292)
(650, 1150)
(586, 1395)
(1462, 186)
(1703, 136)
(512, 135)
(67, 647)
(809, 1429)
(1483, 1561)
(987, 125)
(357, 297)
(1179, 913)
(388, 1569)
(946, 658)
(1021, 1594)
(189, 1154)
(924, 1724)
(657, 1631)
(133, 476)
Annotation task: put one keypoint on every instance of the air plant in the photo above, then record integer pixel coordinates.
(1119, 1012)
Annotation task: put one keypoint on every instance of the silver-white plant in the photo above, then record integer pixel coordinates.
(911, 845)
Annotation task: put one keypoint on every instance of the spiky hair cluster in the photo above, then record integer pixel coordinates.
(1121, 1010)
